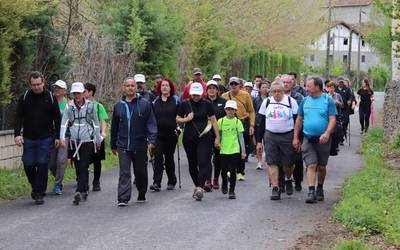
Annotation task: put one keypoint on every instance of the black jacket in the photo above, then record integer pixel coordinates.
(165, 113)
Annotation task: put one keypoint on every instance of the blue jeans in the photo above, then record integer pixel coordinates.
(35, 158)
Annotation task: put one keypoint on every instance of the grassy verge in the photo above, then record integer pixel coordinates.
(352, 245)
(370, 202)
(14, 183)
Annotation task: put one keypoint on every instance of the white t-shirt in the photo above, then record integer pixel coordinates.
(279, 115)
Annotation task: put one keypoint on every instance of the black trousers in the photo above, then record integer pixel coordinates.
(217, 163)
(164, 156)
(96, 160)
(198, 152)
(230, 165)
(82, 166)
(346, 119)
(248, 143)
(298, 167)
(365, 113)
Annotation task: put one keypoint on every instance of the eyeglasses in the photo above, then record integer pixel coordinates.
(233, 83)
(276, 91)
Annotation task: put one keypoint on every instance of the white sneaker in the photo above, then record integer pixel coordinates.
(260, 166)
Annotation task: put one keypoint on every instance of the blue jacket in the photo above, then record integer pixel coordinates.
(133, 125)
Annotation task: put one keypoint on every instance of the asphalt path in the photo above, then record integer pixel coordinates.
(172, 219)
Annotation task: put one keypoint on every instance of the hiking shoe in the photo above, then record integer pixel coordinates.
(34, 195)
(77, 198)
(57, 190)
(215, 183)
(84, 196)
(240, 177)
(232, 195)
(282, 188)
(199, 193)
(208, 186)
(122, 204)
(276, 194)
(141, 198)
(297, 186)
(311, 198)
(39, 200)
(224, 188)
(96, 187)
(259, 166)
(289, 187)
(170, 187)
(155, 187)
(319, 194)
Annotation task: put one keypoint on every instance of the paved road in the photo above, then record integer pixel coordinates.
(171, 219)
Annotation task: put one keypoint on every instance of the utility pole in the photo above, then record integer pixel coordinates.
(328, 39)
(359, 49)
(350, 43)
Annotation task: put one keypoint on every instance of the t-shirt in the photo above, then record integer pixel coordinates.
(279, 115)
(202, 110)
(230, 130)
(101, 111)
(365, 97)
(62, 105)
(316, 112)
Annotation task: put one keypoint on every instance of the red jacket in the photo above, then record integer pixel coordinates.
(185, 92)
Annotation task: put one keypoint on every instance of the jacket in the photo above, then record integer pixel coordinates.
(133, 125)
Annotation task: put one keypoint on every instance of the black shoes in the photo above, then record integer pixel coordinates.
(311, 197)
(77, 198)
(39, 199)
(170, 187)
(276, 194)
(96, 187)
(141, 197)
(232, 195)
(297, 186)
(224, 188)
(289, 187)
(155, 187)
(319, 194)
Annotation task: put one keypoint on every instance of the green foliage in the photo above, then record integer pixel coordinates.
(381, 40)
(338, 69)
(380, 76)
(352, 245)
(371, 198)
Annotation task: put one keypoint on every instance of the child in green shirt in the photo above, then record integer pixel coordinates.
(232, 147)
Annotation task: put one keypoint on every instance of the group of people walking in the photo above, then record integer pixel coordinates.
(221, 127)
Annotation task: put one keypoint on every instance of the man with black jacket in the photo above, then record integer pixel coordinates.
(346, 95)
(39, 116)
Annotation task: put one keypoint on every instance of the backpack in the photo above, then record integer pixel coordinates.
(50, 94)
(288, 106)
(89, 116)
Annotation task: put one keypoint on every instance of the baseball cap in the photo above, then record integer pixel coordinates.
(60, 84)
(212, 82)
(234, 79)
(218, 77)
(231, 104)
(248, 84)
(139, 78)
(77, 87)
(196, 71)
(196, 89)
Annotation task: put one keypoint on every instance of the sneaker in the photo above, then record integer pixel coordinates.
(224, 189)
(84, 196)
(319, 194)
(77, 198)
(289, 187)
(240, 177)
(122, 204)
(33, 196)
(276, 194)
(57, 190)
(215, 184)
(39, 200)
(362, 132)
(232, 195)
(282, 188)
(297, 186)
(141, 198)
(96, 187)
(170, 187)
(311, 198)
(199, 193)
(155, 187)
(259, 166)
(208, 186)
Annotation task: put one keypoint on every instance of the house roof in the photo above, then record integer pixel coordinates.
(354, 28)
(349, 3)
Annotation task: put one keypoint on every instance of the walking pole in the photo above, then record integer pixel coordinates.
(178, 132)
(349, 133)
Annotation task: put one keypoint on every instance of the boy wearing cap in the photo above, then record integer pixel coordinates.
(232, 143)
(59, 156)
(81, 119)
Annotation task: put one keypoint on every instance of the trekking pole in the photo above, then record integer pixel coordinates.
(349, 132)
(178, 132)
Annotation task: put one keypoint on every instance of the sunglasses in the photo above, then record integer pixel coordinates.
(233, 83)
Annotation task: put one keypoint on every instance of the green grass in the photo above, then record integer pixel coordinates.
(371, 199)
(352, 245)
(14, 183)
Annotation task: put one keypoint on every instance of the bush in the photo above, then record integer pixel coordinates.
(352, 245)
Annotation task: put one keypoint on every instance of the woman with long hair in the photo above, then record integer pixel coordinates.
(364, 100)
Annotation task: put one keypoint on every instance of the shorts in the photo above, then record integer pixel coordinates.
(315, 153)
(100, 154)
(279, 149)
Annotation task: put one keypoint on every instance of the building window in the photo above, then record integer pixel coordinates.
(362, 43)
(345, 41)
(344, 59)
(312, 58)
(363, 58)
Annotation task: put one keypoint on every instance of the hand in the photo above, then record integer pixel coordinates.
(114, 151)
(98, 146)
(189, 117)
(217, 143)
(57, 143)
(296, 144)
(243, 155)
(251, 130)
(61, 143)
(259, 147)
(19, 140)
(178, 131)
(324, 138)
(151, 147)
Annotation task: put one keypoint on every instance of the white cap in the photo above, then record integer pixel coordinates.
(248, 84)
(196, 89)
(139, 78)
(217, 77)
(60, 84)
(212, 82)
(231, 104)
(77, 87)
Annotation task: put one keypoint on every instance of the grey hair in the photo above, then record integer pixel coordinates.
(277, 83)
(128, 78)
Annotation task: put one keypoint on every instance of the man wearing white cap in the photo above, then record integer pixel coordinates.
(199, 116)
(81, 119)
(59, 156)
(140, 80)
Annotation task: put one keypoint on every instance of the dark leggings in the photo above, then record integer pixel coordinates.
(164, 155)
(217, 163)
(231, 163)
(365, 113)
(198, 152)
(82, 166)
